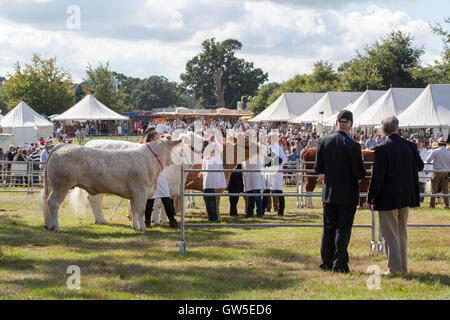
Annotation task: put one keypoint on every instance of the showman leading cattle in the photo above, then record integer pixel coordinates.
(130, 174)
(309, 155)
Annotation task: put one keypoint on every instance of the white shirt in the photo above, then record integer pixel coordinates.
(162, 188)
(44, 158)
(424, 177)
(213, 180)
(440, 158)
(253, 180)
(274, 180)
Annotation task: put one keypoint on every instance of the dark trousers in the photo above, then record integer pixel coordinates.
(422, 190)
(168, 206)
(251, 205)
(337, 230)
(233, 205)
(210, 203)
(280, 201)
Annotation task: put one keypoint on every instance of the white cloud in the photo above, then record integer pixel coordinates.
(159, 36)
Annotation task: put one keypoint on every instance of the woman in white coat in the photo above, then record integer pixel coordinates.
(254, 183)
(162, 192)
(212, 181)
(274, 180)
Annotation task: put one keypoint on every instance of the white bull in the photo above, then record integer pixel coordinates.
(79, 196)
(130, 173)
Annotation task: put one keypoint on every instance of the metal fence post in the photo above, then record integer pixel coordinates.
(296, 180)
(301, 184)
(380, 238)
(182, 245)
(373, 243)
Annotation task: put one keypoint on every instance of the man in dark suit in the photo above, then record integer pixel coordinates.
(395, 187)
(340, 159)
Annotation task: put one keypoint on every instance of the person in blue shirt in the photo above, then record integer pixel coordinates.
(371, 143)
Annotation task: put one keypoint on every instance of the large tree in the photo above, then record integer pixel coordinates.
(239, 77)
(104, 86)
(41, 84)
(388, 61)
(149, 93)
(439, 72)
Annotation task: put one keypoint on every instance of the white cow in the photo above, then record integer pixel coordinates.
(79, 197)
(131, 173)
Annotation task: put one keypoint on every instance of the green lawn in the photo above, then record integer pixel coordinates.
(221, 263)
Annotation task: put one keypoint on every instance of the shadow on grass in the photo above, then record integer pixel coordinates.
(106, 276)
(428, 278)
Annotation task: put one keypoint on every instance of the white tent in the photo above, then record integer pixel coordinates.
(329, 104)
(288, 106)
(358, 107)
(430, 110)
(392, 103)
(26, 125)
(90, 109)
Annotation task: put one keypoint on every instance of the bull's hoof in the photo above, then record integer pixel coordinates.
(45, 227)
(101, 222)
(55, 229)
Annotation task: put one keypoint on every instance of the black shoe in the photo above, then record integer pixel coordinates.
(325, 268)
(147, 224)
(174, 224)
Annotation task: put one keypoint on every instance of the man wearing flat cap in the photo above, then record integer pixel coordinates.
(340, 159)
(441, 161)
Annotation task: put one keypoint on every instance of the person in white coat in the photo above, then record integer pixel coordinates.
(254, 183)
(161, 192)
(274, 180)
(212, 181)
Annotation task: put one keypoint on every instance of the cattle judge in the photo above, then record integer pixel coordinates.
(340, 159)
(393, 189)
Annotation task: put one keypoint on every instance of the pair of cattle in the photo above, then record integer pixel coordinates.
(308, 156)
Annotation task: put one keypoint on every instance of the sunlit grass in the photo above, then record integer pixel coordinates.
(220, 263)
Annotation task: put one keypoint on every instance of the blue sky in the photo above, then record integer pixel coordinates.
(148, 37)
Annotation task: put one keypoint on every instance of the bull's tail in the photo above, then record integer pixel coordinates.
(78, 200)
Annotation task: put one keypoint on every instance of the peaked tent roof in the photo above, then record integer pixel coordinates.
(89, 108)
(359, 106)
(392, 103)
(430, 109)
(331, 103)
(23, 116)
(288, 106)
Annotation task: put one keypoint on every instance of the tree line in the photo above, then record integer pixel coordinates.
(392, 60)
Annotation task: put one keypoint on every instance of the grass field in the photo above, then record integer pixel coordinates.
(225, 263)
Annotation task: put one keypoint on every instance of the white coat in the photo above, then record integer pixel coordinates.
(213, 180)
(274, 181)
(253, 180)
(162, 188)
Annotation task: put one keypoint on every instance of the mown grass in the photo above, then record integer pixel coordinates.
(221, 263)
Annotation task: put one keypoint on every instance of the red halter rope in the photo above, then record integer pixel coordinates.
(156, 156)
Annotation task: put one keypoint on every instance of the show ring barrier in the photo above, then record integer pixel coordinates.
(372, 226)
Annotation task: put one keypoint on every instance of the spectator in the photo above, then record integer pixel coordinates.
(370, 143)
(441, 161)
(254, 183)
(2, 158)
(394, 187)
(9, 156)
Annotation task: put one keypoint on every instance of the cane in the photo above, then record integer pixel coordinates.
(117, 207)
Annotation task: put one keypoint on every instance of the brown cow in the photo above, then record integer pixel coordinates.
(193, 182)
(309, 155)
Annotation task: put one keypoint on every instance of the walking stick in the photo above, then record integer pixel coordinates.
(117, 207)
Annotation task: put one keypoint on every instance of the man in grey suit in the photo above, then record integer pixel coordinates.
(394, 188)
